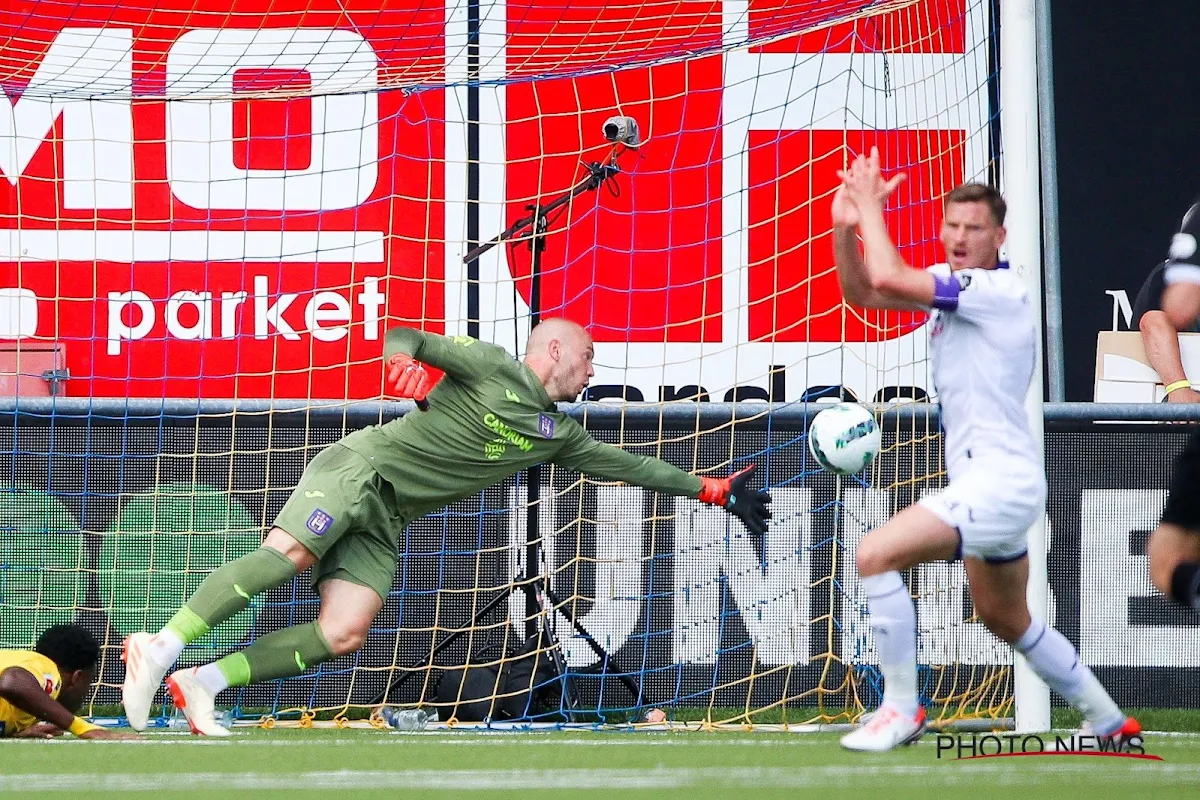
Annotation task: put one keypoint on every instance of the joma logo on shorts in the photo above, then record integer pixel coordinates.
(493, 422)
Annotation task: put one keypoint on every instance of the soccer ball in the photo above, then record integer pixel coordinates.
(844, 438)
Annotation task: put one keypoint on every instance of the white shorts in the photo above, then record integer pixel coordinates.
(992, 505)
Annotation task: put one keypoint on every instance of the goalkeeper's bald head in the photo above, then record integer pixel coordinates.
(560, 352)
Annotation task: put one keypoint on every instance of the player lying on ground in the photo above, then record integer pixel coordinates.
(1173, 549)
(489, 417)
(983, 348)
(42, 689)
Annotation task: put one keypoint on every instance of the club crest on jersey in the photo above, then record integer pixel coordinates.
(545, 426)
(319, 522)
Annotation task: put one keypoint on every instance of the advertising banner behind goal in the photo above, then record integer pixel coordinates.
(234, 199)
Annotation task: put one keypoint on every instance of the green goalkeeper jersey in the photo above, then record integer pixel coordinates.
(489, 417)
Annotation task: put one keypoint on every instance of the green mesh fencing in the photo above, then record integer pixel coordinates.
(43, 576)
(160, 547)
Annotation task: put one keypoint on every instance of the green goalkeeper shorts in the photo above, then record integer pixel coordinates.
(345, 514)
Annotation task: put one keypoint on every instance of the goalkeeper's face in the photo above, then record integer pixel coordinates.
(572, 369)
(971, 235)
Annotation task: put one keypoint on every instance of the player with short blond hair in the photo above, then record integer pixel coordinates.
(983, 347)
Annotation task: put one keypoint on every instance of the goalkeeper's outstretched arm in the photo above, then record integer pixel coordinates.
(587, 455)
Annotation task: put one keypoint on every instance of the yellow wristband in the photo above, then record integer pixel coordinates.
(1183, 384)
(81, 726)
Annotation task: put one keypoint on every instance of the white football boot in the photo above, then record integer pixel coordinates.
(195, 700)
(142, 678)
(1116, 742)
(886, 729)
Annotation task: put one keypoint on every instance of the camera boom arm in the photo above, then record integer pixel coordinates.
(597, 174)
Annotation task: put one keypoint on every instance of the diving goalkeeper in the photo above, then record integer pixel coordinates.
(489, 417)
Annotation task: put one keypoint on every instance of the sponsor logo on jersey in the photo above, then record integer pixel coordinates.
(508, 434)
(313, 494)
(511, 396)
(494, 449)
(319, 522)
(545, 426)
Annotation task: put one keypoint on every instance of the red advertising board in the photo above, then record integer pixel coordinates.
(208, 208)
(127, 285)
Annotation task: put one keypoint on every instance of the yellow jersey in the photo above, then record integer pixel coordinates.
(12, 719)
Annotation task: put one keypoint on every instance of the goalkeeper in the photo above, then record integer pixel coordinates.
(489, 417)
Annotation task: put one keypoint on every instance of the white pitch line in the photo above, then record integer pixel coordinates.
(494, 780)
(390, 739)
(387, 738)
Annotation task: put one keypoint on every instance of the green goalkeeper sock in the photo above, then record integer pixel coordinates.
(228, 589)
(282, 654)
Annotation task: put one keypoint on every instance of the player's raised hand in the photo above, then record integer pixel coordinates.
(844, 213)
(864, 182)
(735, 496)
(407, 379)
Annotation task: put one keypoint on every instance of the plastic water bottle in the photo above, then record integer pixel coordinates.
(405, 719)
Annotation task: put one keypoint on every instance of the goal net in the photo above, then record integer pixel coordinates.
(210, 206)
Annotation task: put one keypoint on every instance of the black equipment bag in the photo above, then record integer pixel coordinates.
(521, 685)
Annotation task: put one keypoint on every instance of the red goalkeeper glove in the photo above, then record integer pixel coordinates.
(408, 379)
(732, 494)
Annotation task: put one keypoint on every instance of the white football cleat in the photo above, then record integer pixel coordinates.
(886, 729)
(1118, 741)
(142, 678)
(195, 700)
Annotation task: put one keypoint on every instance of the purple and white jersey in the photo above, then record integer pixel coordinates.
(983, 344)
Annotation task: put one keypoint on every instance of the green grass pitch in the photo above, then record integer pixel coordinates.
(559, 764)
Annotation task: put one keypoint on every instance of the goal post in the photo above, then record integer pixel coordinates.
(1020, 170)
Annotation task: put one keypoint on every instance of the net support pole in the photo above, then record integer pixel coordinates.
(1019, 173)
(1051, 251)
(533, 497)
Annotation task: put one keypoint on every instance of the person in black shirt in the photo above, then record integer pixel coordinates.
(1173, 549)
